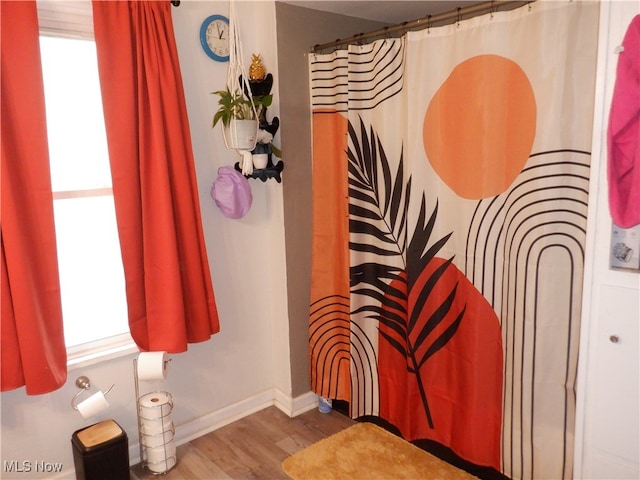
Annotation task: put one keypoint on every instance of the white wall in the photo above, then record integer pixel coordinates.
(247, 256)
(246, 366)
(608, 423)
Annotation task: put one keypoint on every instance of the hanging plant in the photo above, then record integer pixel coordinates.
(239, 113)
(237, 106)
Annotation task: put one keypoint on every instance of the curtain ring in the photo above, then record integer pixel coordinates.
(429, 25)
(492, 9)
(459, 17)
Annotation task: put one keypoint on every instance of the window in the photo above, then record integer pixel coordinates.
(91, 273)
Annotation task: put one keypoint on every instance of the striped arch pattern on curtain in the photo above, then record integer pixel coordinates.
(450, 190)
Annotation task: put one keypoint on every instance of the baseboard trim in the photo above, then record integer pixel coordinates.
(295, 406)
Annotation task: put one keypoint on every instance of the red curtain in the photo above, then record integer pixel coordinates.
(169, 289)
(33, 349)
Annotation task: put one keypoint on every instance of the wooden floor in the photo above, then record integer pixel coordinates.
(251, 448)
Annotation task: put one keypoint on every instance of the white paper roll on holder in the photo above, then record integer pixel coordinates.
(149, 442)
(84, 384)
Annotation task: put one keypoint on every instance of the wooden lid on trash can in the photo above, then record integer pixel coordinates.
(99, 433)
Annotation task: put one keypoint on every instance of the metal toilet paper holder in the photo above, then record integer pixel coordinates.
(84, 384)
(143, 458)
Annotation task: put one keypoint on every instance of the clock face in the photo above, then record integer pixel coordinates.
(214, 37)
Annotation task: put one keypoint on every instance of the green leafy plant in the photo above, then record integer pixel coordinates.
(236, 105)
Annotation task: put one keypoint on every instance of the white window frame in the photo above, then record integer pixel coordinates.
(74, 19)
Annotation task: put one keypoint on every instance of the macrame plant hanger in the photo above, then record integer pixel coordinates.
(238, 84)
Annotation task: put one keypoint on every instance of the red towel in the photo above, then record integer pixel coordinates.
(624, 133)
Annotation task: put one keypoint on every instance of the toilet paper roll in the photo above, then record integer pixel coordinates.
(158, 439)
(161, 459)
(155, 405)
(155, 427)
(152, 366)
(93, 405)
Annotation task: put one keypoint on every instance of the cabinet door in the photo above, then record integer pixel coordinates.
(616, 413)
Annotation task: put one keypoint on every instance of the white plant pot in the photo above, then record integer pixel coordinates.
(260, 160)
(240, 134)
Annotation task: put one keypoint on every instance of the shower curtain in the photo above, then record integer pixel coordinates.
(450, 184)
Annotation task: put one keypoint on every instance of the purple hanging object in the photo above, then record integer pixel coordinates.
(232, 193)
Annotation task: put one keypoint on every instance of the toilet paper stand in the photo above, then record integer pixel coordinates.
(84, 384)
(164, 417)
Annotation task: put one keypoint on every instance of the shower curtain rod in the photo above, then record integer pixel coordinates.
(426, 22)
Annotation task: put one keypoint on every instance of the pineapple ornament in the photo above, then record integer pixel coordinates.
(257, 71)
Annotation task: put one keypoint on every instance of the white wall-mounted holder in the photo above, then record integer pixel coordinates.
(91, 405)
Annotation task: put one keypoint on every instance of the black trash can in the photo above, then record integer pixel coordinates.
(101, 452)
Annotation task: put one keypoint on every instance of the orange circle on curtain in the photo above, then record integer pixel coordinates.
(480, 125)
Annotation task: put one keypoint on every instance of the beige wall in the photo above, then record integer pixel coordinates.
(298, 29)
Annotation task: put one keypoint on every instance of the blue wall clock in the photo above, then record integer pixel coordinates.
(214, 37)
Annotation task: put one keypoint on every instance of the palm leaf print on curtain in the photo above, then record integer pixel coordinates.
(450, 192)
